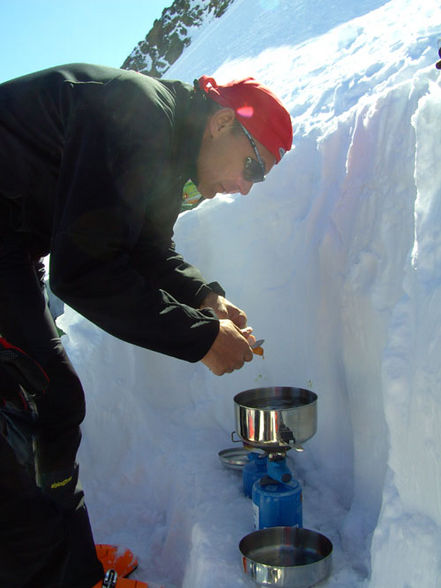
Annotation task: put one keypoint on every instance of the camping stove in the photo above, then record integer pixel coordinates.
(277, 496)
(270, 422)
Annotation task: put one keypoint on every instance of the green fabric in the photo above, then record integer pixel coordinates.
(190, 196)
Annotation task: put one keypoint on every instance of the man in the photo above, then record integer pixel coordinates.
(93, 162)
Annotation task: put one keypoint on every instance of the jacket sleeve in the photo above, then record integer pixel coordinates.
(172, 273)
(111, 164)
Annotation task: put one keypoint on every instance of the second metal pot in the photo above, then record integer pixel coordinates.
(286, 557)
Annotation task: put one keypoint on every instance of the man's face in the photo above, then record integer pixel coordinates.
(222, 156)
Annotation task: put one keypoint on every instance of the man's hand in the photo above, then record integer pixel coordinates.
(230, 349)
(225, 309)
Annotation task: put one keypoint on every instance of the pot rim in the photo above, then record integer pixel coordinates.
(303, 393)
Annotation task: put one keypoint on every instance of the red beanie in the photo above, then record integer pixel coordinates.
(257, 108)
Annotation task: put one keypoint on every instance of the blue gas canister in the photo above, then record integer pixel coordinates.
(277, 504)
(252, 471)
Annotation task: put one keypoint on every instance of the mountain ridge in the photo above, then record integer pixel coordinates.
(171, 34)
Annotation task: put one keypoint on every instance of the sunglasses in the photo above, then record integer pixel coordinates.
(253, 171)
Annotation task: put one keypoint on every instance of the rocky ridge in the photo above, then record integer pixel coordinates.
(171, 34)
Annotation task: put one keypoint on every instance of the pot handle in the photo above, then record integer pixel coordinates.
(235, 440)
(287, 436)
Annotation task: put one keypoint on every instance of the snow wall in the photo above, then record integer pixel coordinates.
(336, 259)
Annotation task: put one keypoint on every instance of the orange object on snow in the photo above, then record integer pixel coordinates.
(117, 563)
(120, 559)
(125, 583)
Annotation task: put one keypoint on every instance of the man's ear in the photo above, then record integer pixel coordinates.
(221, 121)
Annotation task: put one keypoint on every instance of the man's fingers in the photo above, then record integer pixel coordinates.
(230, 350)
(241, 319)
(249, 356)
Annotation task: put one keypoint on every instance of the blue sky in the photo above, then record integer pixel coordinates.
(35, 34)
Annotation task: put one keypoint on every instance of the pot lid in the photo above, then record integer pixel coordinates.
(234, 458)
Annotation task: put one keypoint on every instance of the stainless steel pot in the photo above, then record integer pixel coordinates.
(275, 418)
(286, 557)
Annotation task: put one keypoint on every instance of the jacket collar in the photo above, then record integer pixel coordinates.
(191, 115)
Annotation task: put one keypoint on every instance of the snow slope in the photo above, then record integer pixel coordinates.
(336, 259)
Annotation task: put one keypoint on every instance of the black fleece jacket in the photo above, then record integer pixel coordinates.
(92, 165)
